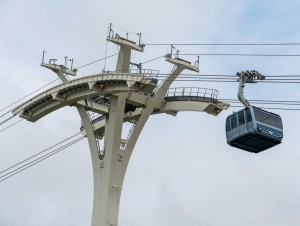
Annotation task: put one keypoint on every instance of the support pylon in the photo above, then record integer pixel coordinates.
(117, 90)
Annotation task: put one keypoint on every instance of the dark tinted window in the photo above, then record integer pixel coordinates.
(267, 118)
(233, 121)
(227, 124)
(241, 118)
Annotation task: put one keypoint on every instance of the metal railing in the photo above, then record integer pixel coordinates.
(123, 144)
(146, 72)
(193, 92)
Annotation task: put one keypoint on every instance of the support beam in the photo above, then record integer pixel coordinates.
(148, 110)
(109, 191)
(60, 70)
(126, 46)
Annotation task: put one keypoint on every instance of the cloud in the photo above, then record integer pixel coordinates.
(182, 171)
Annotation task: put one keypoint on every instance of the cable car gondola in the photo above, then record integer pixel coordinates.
(253, 129)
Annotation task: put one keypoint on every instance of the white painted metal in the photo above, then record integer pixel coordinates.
(126, 46)
(89, 89)
(109, 172)
(60, 70)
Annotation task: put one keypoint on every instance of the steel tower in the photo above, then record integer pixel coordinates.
(117, 98)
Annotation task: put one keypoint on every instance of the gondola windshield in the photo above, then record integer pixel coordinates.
(267, 118)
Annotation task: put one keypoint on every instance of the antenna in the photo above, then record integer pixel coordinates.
(140, 39)
(72, 60)
(177, 53)
(66, 62)
(111, 32)
(43, 56)
(197, 62)
(172, 47)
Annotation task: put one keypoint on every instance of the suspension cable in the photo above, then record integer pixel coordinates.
(239, 54)
(97, 61)
(275, 102)
(40, 152)
(269, 108)
(215, 79)
(48, 154)
(37, 160)
(152, 59)
(11, 125)
(24, 97)
(6, 120)
(224, 44)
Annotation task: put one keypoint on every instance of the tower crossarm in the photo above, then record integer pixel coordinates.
(126, 46)
(73, 92)
(59, 69)
(175, 101)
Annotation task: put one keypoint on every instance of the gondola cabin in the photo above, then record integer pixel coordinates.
(253, 129)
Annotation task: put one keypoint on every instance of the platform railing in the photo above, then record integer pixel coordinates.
(193, 92)
(148, 72)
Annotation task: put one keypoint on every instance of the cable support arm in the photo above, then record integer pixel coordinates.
(247, 77)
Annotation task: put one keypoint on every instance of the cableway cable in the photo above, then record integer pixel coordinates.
(268, 108)
(6, 120)
(156, 58)
(25, 97)
(275, 102)
(224, 44)
(239, 54)
(43, 156)
(11, 125)
(96, 61)
(222, 80)
(34, 163)
(37, 160)
(40, 152)
(266, 102)
(60, 148)
(212, 79)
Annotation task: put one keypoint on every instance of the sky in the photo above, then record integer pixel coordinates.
(182, 171)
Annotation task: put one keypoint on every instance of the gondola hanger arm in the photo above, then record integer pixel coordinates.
(247, 77)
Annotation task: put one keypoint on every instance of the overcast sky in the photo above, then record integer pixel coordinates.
(182, 171)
